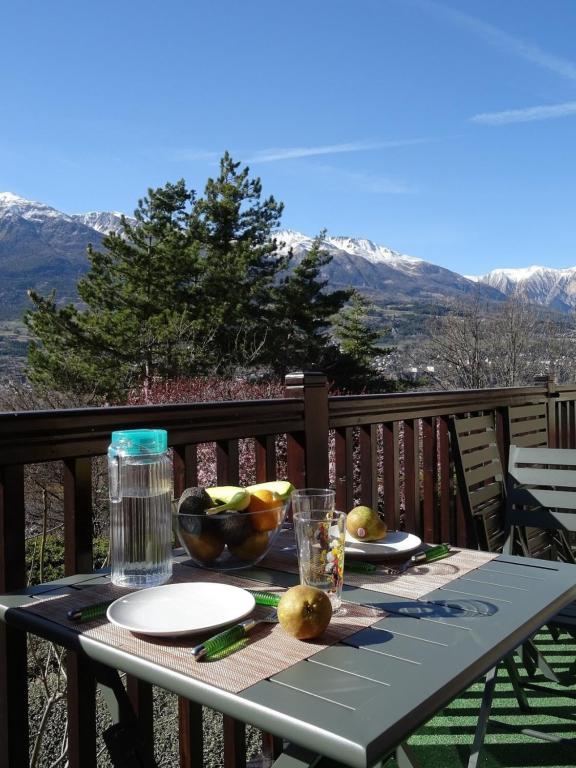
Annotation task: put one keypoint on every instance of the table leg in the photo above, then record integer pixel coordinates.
(521, 698)
(484, 714)
(124, 740)
(272, 748)
(405, 757)
(298, 757)
(533, 660)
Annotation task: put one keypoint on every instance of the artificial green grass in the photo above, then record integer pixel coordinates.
(444, 742)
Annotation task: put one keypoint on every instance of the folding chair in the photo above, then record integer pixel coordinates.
(541, 491)
(483, 490)
(481, 481)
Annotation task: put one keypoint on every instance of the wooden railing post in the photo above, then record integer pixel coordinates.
(190, 733)
(13, 658)
(78, 516)
(549, 381)
(308, 450)
(81, 685)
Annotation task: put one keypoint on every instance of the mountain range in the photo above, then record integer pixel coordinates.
(552, 288)
(45, 249)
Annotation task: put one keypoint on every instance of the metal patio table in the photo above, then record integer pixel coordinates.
(357, 702)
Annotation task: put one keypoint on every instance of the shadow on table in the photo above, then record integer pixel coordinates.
(467, 607)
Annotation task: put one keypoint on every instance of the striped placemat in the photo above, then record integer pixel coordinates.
(414, 583)
(269, 649)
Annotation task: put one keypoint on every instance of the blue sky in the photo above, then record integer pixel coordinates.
(443, 129)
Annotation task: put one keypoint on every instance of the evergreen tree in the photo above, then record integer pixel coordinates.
(355, 369)
(187, 289)
(196, 285)
(238, 262)
(303, 315)
(138, 319)
(358, 338)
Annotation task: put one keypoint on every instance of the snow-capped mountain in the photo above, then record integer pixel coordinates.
(553, 288)
(357, 247)
(34, 235)
(103, 222)
(45, 249)
(383, 274)
(16, 206)
(377, 254)
(40, 248)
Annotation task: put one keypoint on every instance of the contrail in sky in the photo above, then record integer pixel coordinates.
(527, 115)
(291, 153)
(505, 41)
(276, 154)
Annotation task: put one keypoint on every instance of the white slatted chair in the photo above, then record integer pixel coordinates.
(541, 492)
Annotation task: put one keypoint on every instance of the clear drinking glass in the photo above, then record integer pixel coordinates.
(320, 537)
(313, 500)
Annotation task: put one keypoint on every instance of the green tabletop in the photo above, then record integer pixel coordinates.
(355, 702)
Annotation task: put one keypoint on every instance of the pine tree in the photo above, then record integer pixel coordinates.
(238, 262)
(303, 317)
(186, 290)
(138, 321)
(360, 348)
(358, 338)
(195, 286)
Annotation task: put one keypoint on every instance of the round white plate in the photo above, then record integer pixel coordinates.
(394, 543)
(181, 609)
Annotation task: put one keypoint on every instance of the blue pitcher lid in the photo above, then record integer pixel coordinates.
(133, 442)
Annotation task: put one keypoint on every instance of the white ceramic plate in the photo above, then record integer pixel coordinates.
(394, 543)
(181, 609)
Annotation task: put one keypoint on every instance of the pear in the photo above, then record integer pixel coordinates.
(304, 612)
(365, 524)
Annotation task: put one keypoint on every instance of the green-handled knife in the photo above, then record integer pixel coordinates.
(223, 640)
(89, 612)
(429, 555)
(423, 556)
(426, 556)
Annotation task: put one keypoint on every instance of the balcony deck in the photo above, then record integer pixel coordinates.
(390, 451)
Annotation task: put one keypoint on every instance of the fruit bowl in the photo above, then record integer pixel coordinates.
(230, 539)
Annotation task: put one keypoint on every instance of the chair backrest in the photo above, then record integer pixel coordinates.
(480, 478)
(541, 490)
(527, 425)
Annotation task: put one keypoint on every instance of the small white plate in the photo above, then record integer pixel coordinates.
(394, 543)
(181, 609)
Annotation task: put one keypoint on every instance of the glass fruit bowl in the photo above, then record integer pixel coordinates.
(230, 539)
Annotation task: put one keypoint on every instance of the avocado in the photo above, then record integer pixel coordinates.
(227, 497)
(231, 527)
(282, 488)
(194, 501)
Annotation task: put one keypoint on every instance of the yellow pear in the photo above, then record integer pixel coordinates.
(304, 612)
(365, 524)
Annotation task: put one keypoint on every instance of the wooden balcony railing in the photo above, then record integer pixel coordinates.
(387, 450)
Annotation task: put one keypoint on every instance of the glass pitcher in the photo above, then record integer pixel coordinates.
(140, 476)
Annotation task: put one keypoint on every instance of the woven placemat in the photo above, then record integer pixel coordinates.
(269, 649)
(414, 583)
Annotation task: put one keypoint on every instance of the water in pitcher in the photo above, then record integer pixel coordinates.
(141, 536)
(140, 508)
